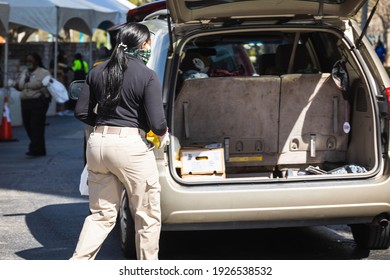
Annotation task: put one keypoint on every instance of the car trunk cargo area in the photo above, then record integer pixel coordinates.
(286, 124)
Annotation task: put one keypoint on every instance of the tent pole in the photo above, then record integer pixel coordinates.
(6, 62)
(90, 52)
(56, 45)
(55, 56)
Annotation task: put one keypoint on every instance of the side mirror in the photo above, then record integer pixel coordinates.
(75, 89)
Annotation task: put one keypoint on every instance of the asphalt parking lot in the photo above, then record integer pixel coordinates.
(41, 209)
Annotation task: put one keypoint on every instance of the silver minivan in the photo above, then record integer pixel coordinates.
(278, 113)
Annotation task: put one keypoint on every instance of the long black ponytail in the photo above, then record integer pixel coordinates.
(131, 36)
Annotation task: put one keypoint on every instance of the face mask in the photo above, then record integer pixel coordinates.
(144, 55)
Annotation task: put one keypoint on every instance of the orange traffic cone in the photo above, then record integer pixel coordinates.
(6, 130)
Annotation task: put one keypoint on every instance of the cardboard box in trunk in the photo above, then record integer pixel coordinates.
(202, 161)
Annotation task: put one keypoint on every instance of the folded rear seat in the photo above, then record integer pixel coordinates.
(311, 121)
(241, 112)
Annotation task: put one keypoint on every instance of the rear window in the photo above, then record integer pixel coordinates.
(230, 58)
(263, 53)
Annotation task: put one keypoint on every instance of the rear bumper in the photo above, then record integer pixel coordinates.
(278, 204)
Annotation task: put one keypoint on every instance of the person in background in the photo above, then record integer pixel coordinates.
(35, 100)
(80, 70)
(381, 51)
(79, 67)
(122, 99)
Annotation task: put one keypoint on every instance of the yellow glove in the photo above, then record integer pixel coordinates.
(153, 138)
(159, 141)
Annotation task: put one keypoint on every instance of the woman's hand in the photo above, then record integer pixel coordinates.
(164, 140)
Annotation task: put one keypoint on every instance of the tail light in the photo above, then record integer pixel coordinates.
(388, 101)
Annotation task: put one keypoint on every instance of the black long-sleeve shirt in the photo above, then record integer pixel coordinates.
(140, 105)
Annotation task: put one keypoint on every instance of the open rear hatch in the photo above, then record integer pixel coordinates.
(290, 123)
(183, 11)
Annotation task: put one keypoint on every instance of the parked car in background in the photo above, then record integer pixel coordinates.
(288, 125)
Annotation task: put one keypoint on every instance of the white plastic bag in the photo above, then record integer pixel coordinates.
(83, 187)
(57, 89)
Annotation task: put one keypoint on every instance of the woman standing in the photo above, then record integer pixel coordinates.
(35, 100)
(128, 97)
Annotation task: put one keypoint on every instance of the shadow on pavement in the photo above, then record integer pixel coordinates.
(57, 228)
(259, 244)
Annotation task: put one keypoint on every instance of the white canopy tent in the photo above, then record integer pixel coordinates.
(122, 6)
(4, 19)
(53, 15)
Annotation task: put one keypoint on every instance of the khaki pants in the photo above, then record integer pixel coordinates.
(115, 159)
